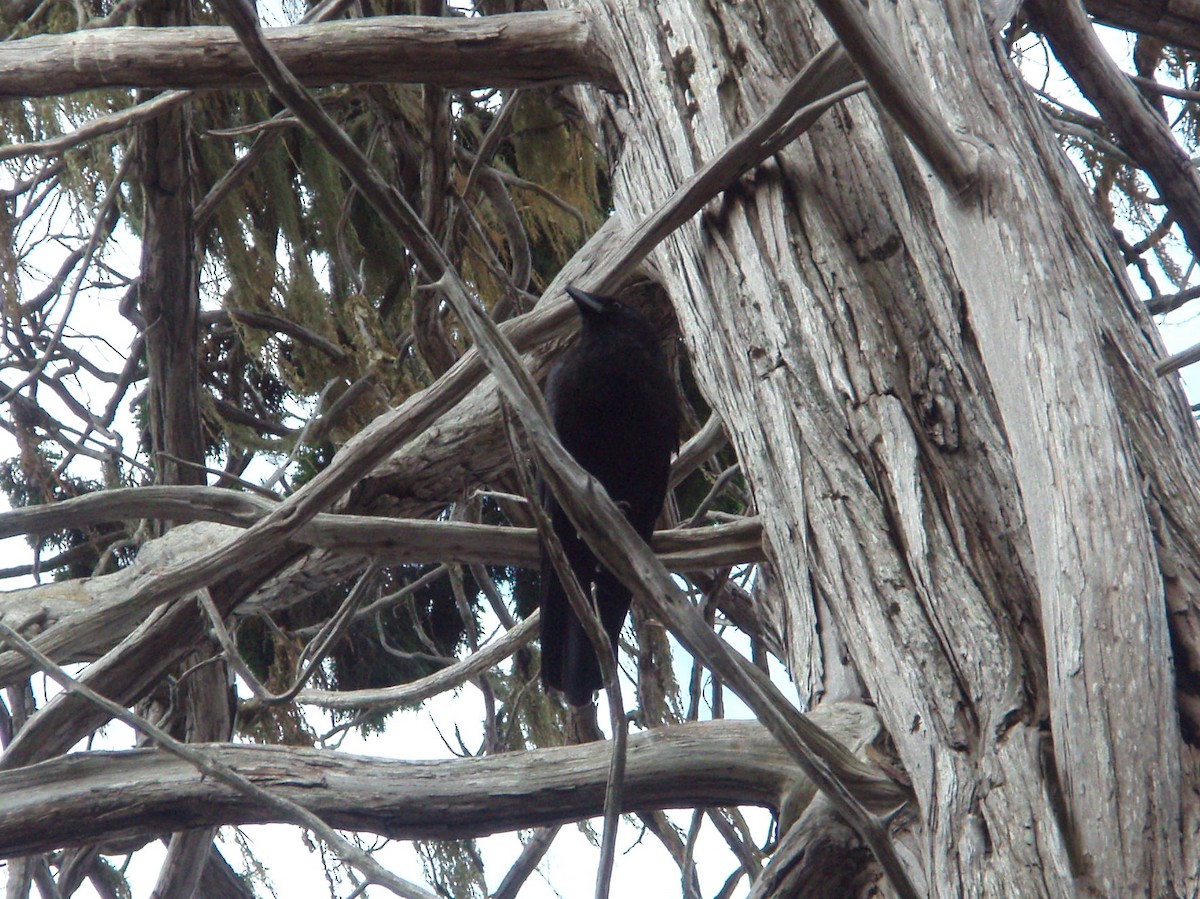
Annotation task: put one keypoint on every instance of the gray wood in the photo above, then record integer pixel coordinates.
(501, 51)
(87, 796)
(932, 394)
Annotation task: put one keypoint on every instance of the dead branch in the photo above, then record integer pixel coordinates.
(533, 48)
(89, 796)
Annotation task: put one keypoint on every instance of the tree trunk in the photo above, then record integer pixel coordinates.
(168, 294)
(169, 302)
(946, 408)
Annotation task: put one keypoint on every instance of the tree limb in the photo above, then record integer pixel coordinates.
(529, 48)
(86, 618)
(1174, 22)
(97, 795)
(1140, 130)
(206, 765)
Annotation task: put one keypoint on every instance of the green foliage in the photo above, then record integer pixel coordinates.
(33, 479)
(454, 867)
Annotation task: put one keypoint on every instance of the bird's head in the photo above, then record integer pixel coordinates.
(609, 321)
(607, 312)
(591, 304)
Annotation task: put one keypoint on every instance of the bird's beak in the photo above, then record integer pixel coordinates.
(586, 302)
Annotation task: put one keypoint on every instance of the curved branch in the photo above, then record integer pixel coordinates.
(1175, 23)
(92, 796)
(433, 684)
(395, 541)
(83, 619)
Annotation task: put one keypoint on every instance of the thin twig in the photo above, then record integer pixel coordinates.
(587, 613)
(291, 811)
(718, 486)
(232, 655)
(107, 211)
(309, 426)
(330, 633)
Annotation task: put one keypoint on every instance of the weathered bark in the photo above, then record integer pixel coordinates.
(937, 429)
(98, 608)
(90, 796)
(169, 289)
(169, 305)
(90, 617)
(819, 857)
(208, 717)
(496, 51)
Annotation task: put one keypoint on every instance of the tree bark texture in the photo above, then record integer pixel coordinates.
(90, 796)
(169, 303)
(496, 51)
(168, 293)
(946, 407)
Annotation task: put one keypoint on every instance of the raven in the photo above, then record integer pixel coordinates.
(613, 404)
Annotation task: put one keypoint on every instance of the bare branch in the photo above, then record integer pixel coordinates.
(84, 619)
(206, 765)
(709, 763)
(530, 48)
(530, 858)
(439, 682)
(703, 445)
(901, 92)
(395, 540)
(116, 121)
(1137, 125)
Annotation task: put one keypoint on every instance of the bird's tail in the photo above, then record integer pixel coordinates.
(581, 675)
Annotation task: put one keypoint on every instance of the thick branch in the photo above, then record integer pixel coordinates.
(1140, 130)
(1174, 22)
(93, 796)
(533, 48)
(396, 541)
(91, 616)
(901, 92)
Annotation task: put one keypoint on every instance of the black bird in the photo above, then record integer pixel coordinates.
(614, 407)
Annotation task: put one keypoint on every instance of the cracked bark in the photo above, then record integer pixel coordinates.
(890, 358)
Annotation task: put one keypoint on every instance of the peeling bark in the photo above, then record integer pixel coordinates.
(921, 398)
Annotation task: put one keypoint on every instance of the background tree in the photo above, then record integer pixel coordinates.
(950, 438)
